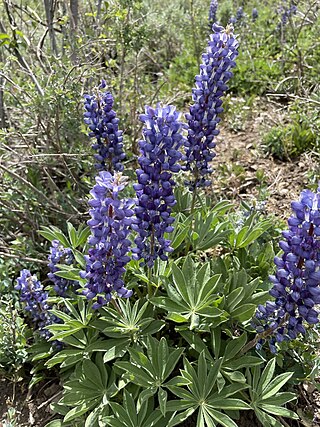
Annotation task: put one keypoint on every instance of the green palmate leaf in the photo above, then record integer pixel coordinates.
(178, 419)
(124, 418)
(177, 318)
(168, 304)
(162, 398)
(244, 312)
(241, 235)
(53, 233)
(267, 375)
(234, 346)
(191, 296)
(267, 420)
(212, 239)
(136, 375)
(276, 410)
(243, 362)
(72, 235)
(230, 404)
(79, 258)
(196, 343)
(117, 350)
(92, 372)
(179, 237)
(234, 376)
(78, 411)
(178, 405)
(206, 420)
(207, 287)
(180, 282)
(54, 423)
(82, 236)
(276, 384)
(255, 233)
(260, 298)
(70, 274)
(221, 418)
(62, 356)
(130, 407)
(230, 390)
(92, 418)
(234, 298)
(279, 399)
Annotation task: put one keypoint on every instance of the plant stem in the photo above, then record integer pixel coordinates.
(262, 335)
(150, 290)
(193, 203)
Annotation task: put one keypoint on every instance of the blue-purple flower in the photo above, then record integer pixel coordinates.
(110, 223)
(60, 255)
(255, 14)
(296, 282)
(213, 11)
(34, 299)
(240, 14)
(203, 117)
(103, 124)
(158, 162)
(286, 11)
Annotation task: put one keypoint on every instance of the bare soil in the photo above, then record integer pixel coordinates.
(21, 408)
(244, 172)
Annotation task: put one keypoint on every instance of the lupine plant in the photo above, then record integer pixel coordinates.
(161, 330)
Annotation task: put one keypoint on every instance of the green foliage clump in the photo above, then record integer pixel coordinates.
(300, 135)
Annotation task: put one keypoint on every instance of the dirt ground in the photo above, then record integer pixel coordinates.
(244, 172)
(21, 408)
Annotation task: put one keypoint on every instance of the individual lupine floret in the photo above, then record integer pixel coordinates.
(296, 283)
(203, 117)
(213, 12)
(60, 255)
(103, 124)
(110, 226)
(34, 299)
(255, 14)
(158, 161)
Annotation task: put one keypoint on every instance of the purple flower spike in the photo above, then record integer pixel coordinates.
(286, 11)
(203, 117)
(255, 14)
(296, 283)
(60, 255)
(103, 125)
(213, 11)
(34, 299)
(110, 226)
(158, 162)
(240, 14)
